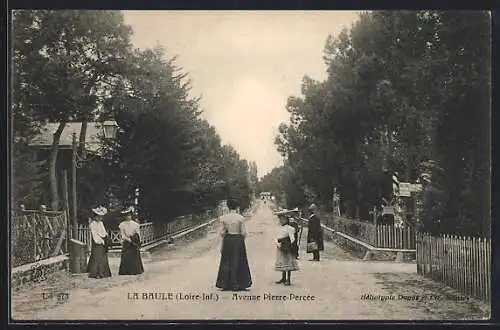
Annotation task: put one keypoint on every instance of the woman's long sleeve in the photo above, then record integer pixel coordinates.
(95, 234)
(223, 228)
(123, 234)
(138, 230)
(243, 229)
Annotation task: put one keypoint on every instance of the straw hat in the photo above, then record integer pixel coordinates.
(128, 210)
(281, 212)
(286, 211)
(313, 207)
(100, 210)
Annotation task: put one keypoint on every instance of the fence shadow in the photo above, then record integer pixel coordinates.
(432, 296)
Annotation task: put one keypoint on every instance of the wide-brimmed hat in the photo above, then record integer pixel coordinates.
(281, 212)
(100, 210)
(286, 212)
(127, 210)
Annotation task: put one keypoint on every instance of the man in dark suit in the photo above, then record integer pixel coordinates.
(314, 233)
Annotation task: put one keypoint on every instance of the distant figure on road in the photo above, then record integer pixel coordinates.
(286, 260)
(314, 233)
(131, 262)
(234, 272)
(98, 266)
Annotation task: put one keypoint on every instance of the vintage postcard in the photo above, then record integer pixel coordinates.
(250, 165)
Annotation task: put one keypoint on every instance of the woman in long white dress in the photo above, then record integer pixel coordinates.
(98, 266)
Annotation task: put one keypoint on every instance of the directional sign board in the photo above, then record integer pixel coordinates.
(415, 187)
(387, 210)
(404, 189)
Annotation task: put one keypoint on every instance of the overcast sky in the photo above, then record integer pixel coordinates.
(244, 64)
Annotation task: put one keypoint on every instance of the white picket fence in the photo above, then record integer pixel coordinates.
(394, 237)
(463, 263)
(380, 236)
(149, 232)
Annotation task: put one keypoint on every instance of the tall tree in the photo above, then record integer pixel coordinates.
(399, 94)
(64, 61)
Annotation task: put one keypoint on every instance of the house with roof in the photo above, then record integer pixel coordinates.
(41, 145)
(93, 137)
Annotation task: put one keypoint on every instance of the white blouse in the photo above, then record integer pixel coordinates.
(284, 231)
(98, 231)
(233, 224)
(128, 229)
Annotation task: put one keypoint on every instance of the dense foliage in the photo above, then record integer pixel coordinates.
(79, 66)
(407, 92)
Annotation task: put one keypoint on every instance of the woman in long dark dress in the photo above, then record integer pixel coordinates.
(234, 272)
(131, 262)
(314, 233)
(98, 266)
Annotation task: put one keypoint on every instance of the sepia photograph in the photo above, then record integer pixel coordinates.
(176, 165)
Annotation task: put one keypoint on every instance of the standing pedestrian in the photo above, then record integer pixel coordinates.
(314, 233)
(234, 272)
(98, 266)
(131, 262)
(286, 261)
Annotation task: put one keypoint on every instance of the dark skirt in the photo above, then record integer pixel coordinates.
(234, 272)
(131, 262)
(98, 266)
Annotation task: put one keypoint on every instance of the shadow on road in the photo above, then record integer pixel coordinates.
(433, 296)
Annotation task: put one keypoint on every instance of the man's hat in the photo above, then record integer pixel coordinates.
(100, 210)
(127, 210)
(313, 207)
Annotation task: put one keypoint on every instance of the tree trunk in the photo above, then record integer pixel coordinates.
(53, 165)
(83, 133)
(87, 114)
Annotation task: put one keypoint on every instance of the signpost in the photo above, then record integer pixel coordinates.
(406, 188)
(336, 200)
(409, 192)
(415, 187)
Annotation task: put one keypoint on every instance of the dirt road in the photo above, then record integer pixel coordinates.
(179, 285)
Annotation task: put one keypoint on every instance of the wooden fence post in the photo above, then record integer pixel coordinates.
(482, 270)
(66, 205)
(488, 267)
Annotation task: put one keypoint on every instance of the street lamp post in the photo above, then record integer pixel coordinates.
(136, 204)
(110, 129)
(74, 221)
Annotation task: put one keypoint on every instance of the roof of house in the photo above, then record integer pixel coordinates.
(92, 140)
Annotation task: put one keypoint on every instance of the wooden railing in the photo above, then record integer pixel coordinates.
(363, 231)
(394, 237)
(463, 263)
(83, 235)
(37, 235)
(149, 232)
(379, 236)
